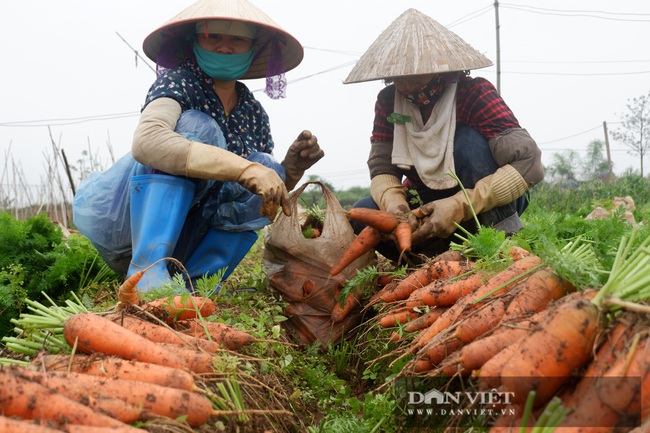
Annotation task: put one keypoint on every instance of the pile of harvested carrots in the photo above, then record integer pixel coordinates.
(123, 370)
(526, 331)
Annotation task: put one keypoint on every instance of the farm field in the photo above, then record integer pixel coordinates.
(557, 316)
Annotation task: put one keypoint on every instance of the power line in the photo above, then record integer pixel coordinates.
(579, 13)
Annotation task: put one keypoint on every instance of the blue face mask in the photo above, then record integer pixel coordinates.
(223, 67)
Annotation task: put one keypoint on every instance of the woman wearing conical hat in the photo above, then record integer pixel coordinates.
(432, 120)
(205, 178)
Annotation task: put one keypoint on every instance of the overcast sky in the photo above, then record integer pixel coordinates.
(70, 68)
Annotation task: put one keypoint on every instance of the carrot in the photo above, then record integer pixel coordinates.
(384, 279)
(615, 363)
(515, 252)
(161, 333)
(365, 241)
(448, 256)
(480, 321)
(382, 221)
(541, 287)
(161, 400)
(446, 293)
(127, 294)
(94, 334)
(222, 333)
(30, 400)
(398, 317)
(85, 394)
(614, 396)
(108, 366)
(340, 312)
(425, 320)
(473, 355)
(467, 330)
(423, 276)
(19, 425)
(545, 358)
(403, 234)
(71, 428)
(496, 285)
(180, 307)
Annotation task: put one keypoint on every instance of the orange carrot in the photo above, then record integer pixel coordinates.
(398, 317)
(448, 256)
(161, 333)
(544, 359)
(473, 355)
(616, 393)
(382, 221)
(384, 279)
(72, 428)
(446, 293)
(340, 312)
(423, 276)
(109, 366)
(590, 389)
(221, 333)
(515, 252)
(127, 294)
(94, 334)
(365, 241)
(180, 307)
(480, 321)
(19, 425)
(425, 320)
(30, 400)
(467, 330)
(85, 394)
(496, 285)
(403, 234)
(161, 400)
(541, 287)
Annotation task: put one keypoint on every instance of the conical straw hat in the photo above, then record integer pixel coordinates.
(415, 44)
(236, 10)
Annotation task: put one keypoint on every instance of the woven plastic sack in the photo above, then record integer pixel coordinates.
(298, 269)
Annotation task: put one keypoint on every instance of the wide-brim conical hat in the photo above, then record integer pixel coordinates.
(415, 44)
(236, 10)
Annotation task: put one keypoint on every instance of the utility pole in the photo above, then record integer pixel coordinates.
(609, 155)
(496, 16)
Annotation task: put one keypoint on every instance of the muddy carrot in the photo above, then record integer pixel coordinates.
(180, 307)
(423, 276)
(110, 366)
(398, 317)
(127, 294)
(424, 321)
(403, 233)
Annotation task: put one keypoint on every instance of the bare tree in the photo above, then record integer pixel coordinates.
(635, 129)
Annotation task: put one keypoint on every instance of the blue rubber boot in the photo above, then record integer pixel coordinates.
(219, 249)
(159, 206)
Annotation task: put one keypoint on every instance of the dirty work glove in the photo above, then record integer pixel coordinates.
(302, 154)
(389, 194)
(211, 162)
(438, 218)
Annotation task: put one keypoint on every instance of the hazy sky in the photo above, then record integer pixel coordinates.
(567, 66)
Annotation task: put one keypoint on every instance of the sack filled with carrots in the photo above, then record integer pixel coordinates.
(516, 323)
(299, 268)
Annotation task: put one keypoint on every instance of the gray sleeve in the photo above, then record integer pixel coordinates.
(517, 148)
(379, 160)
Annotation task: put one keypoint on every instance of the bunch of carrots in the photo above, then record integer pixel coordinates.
(525, 330)
(123, 369)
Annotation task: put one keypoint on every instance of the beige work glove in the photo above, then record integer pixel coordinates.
(389, 194)
(211, 162)
(302, 154)
(439, 218)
